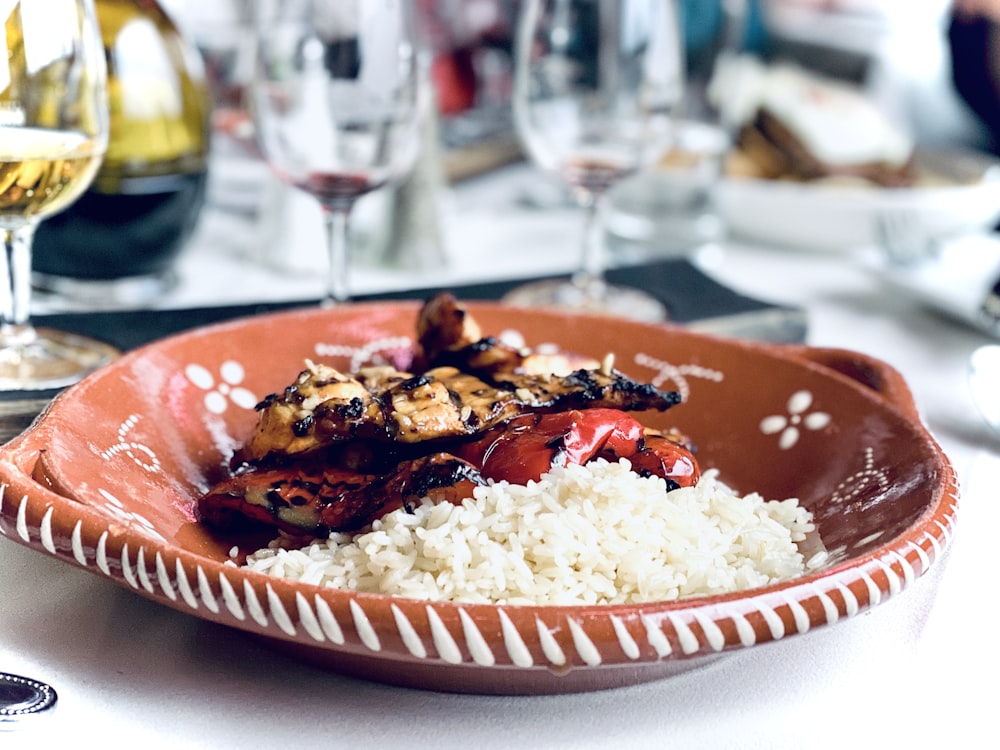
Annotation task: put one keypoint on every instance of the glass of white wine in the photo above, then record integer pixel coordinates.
(596, 86)
(338, 105)
(53, 135)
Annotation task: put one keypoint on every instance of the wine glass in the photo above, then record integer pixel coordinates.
(595, 85)
(338, 104)
(53, 135)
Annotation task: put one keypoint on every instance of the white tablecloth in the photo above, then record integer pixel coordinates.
(915, 672)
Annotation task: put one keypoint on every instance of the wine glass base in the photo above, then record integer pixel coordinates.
(51, 359)
(597, 297)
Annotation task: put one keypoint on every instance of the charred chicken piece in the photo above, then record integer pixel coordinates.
(325, 406)
(287, 419)
(448, 336)
(318, 498)
(443, 326)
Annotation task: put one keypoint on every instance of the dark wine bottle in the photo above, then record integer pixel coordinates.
(145, 200)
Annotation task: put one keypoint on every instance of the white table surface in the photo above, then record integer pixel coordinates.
(914, 672)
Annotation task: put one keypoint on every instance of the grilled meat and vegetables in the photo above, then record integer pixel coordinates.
(335, 450)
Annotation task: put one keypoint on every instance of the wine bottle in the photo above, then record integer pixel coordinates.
(144, 203)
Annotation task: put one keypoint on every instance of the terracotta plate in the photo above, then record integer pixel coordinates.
(105, 480)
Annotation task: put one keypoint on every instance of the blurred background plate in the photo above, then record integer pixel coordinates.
(955, 279)
(963, 196)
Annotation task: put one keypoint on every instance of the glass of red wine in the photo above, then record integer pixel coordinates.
(596, 83)
(338, 102)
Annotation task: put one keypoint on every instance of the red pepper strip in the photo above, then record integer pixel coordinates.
(665, 458)
(528, 446)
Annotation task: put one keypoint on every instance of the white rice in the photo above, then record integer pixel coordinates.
(594, 534)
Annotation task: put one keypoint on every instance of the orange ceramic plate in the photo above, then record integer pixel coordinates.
(105, 480)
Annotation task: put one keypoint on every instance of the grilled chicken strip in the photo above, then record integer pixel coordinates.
(287, 419)
(318, 498)
(325, 406)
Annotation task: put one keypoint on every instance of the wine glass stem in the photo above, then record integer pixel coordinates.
(15, 294)
(338, 224)
(590, 276)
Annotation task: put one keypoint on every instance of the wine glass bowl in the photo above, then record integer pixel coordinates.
(53, 136)
(595, 86)
(338, 104)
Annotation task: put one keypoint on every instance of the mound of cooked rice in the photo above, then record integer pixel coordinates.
(594, 534)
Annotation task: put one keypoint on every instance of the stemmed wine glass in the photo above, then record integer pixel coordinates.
(595, 85)
(338, 104)
(53, 135)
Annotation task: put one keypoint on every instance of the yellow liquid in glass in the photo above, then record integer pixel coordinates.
(43, 171)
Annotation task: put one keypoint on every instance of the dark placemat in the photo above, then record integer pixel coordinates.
(692, 297)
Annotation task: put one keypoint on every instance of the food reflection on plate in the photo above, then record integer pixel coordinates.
(108, 479)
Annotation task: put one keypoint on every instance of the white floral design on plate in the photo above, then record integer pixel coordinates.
(367, 354)
(225, 390)
(863, 482)
(789, 426)
(679, 375)
(142, 455)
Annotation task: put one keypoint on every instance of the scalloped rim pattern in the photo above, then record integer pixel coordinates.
(453, 633)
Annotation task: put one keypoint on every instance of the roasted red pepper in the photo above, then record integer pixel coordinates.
(528, 446)
(663, 457)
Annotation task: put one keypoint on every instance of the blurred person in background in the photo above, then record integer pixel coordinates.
(709, 25)
(974, 43)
